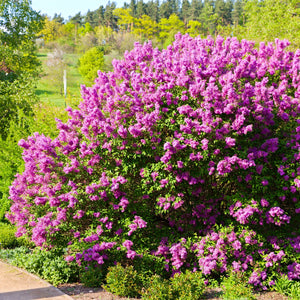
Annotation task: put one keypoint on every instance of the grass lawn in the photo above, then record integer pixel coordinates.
(50, 86)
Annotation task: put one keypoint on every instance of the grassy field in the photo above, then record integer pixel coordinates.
(50, 86)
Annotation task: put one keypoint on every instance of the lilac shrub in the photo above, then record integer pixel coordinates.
(190, 154)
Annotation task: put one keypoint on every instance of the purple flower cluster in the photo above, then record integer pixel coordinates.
(179, 143)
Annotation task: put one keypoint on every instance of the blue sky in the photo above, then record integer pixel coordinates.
(69, 7)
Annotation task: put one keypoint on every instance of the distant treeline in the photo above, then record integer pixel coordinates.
(210, 13)
(259, 20)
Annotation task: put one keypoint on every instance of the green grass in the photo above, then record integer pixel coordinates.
(50, 85)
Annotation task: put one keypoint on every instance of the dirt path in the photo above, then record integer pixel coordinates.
(16, 284)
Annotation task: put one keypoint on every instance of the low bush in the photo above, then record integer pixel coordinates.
(123, 281)
(184, 286)
(93, 276)
(7, 236)
(235, 287)
(10, 255)
(158, 289)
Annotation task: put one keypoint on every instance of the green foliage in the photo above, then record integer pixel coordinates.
(56, 270)
(93, 276)
(169, 27)
(270, 19)
(7, 236)
(19, 66)
(20, 21)
(41, 119)
(236, 288)
(9, 255)
(149, 265)
(158, 289)
(183, 286)
(91, 62)
(287, 287)
(187, 286)
(50, 265)
(123, 281)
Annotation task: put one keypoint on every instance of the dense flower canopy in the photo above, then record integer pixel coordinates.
(190, 154)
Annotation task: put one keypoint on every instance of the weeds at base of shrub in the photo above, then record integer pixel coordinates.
(288, 287)
(236, 288)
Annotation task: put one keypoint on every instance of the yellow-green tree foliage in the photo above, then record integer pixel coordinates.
(270, 19)
(193, 28)
(51, 31)
(169, 27)
(146, 27)
(91, 62)
(125, 19)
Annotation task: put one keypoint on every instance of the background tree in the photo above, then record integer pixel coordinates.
(166, 9)
(109, 18)
(185, 11)
(195, 10)
(152, 10)
(125, 19)
(58, 18)
(145, 27)
(100, 15)
(193, 28)
(208, 17)
(132, 6)
(237, 13)
(169, 27)
(91, 62)
(19, 70)
(223, 11)
(270, 19)
(140, 8)
(91, 18)
(19, 64)
(51, 31)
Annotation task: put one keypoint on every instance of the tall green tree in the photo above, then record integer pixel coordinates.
(169, 27)
(167, 8)
(132, 6)
(270, 19)
(185, 11)
(208, 18)
(152, 10)
(77, 19)
(100, 15)
(196, 9)
(140, 8)
(237, 14)
(19, 66)
(109, 19)
(222, 9)
(19, 70)
(91, 18)
(58, 18)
